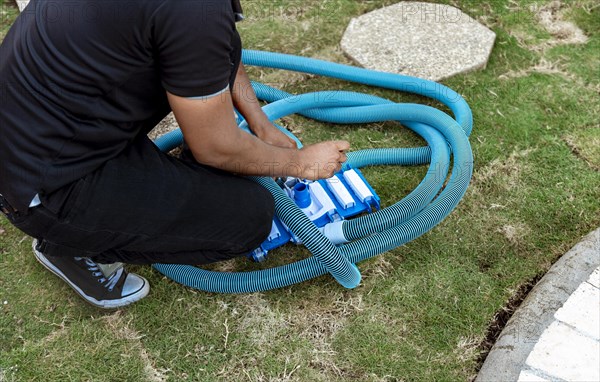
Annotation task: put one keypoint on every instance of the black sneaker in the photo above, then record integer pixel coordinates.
(86, 277)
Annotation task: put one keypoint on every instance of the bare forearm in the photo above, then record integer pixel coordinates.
(244, 154)
(215, 140)
(210, 131)
(245, 101)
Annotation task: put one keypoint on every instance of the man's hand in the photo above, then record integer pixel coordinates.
(270, 134)
(322, 160)
(245, 101)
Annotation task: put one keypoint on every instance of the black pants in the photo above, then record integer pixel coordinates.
(147, 207)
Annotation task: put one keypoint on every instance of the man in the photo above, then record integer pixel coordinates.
(82, 83)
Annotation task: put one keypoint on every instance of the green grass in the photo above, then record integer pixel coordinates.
(8, 12)
(423, 308)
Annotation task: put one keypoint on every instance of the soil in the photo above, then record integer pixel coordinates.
(502, 317)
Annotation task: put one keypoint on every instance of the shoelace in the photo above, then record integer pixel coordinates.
(109, 282)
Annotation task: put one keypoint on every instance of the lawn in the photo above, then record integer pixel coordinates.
(423, 310)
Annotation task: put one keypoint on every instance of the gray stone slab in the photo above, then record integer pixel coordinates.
(431, 41)
(523, 331)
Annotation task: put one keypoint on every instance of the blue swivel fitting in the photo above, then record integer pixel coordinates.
(302, 195)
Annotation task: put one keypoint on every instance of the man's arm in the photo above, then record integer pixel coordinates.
(209, 128)
(245, 101)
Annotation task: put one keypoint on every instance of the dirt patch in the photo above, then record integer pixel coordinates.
(502, 316)
(8, 374)
(279, 78)
(227, 266)
(506, 173)
(586, 149)
(551, 17)
(167, 125)
(319, 326)
(516, 233)
(543, 67)
(123, 331)
(468, 348)
(61, 330)
(378, 267)
(562, 32)
(120, 328)
(261, 323)
(314, 324)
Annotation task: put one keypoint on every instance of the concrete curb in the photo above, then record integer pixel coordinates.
(522, 332)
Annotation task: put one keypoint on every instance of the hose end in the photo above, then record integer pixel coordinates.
(355, 280)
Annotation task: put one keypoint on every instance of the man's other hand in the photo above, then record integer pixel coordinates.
(322, 160)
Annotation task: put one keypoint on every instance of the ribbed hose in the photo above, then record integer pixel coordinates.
(371, 234)
(407, 84)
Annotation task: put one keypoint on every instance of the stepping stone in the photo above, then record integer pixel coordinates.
(431, 41)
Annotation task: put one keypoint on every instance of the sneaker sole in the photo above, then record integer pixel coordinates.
(107, 304)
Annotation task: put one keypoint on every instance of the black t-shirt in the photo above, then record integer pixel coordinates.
(79, 81)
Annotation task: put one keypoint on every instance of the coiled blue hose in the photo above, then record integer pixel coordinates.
(368, 235)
